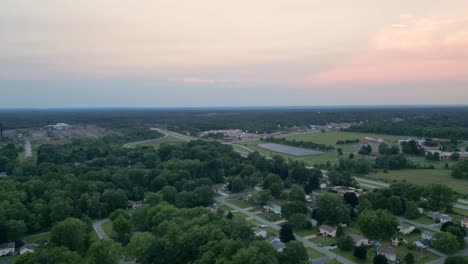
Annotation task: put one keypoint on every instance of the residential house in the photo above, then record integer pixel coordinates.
(427, 235)
(134, 204)
(439, 218)
(27, 248)
(214, 208)
(431, 214)
(388, 252)
(463, 156)
(7, 248)
(464, 222)
(276, 243)
(405, 228)
(260, 232)
(359, 240)
(328, 230)
(422, 243)
(443, 218)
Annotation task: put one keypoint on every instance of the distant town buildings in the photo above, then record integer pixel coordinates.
(58, 126)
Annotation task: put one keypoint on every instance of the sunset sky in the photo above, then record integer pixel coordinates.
(174, 53)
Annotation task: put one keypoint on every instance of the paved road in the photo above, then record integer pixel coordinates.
(27, 149)
(97, 226)
(134, 144)
(276, 227)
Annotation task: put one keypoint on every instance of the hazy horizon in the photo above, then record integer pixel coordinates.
(207, 53)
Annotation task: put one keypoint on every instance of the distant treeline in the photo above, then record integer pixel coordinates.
(347, 141)
(297, 143)
(443, 122)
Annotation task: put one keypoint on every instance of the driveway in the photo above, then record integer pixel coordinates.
(97, 226)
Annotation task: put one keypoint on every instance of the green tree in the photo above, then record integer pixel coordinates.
(378, 224)
(360, 252)
(275, 189)
(140, 246)
(439, 196)
(296, 194)
(455, 260)
(411, 210)
(261, 198)
(298, 221)
(71, 233)
(332, 210)
(104, 252)
(236, 184)
(380, 259)
(445, 242)
(345, 243)
(294, 252)
(409, 258)
(122, 227)
(286, 233)
(339, 151)
(290, 208)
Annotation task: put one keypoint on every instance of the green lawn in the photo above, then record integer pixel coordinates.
(306, 231)
(314, 254)
(238, 215)
(39, 238)
(270, 216)
(422, 177)
(239, 203)
(423, 219)
(271, 232)
(323, 241)
(108, 229)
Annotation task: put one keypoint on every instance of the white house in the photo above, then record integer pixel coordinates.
(260, 232)
(388, 252)
(405, 228)
(27, 248)
(328, 230)
(7, 248)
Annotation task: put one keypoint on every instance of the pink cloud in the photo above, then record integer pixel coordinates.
(413, 51)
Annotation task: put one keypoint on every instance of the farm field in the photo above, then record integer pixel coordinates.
(330, 138)
(422, 177)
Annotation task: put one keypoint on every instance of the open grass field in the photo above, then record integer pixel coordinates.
(330, 138)
(422, 177)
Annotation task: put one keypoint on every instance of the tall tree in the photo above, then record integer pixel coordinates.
(286, 233)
